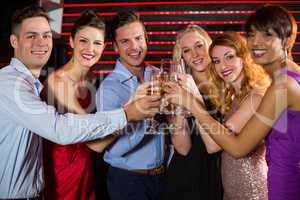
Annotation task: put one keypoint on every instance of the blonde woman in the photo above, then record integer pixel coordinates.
(193, 173)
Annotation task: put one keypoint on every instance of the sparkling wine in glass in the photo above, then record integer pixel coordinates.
(154, 89)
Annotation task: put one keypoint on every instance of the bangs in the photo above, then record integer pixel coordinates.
(270, 18)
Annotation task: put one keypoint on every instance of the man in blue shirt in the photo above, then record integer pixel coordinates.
(24, 118)
(136, 158)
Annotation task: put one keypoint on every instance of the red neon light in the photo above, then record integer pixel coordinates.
(193, 22)
(180, 22)
(69, 5)
(112, 62)
(150, 43)
(161, 42)
(209, 12)
(165, 33)
(162, 32)
(175, 32)
(149, 52)
(106, 62)
(102, 71)
(68, 24)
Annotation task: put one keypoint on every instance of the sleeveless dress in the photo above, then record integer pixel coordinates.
(68, 170)
(283, 155)
(197, 175)
(245, 178)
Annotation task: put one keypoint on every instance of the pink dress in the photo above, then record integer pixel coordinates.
(245, 178)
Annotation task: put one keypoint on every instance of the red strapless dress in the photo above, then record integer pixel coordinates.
(68, 170)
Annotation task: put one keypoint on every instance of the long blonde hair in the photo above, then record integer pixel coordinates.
(254, 75)
(177, 52)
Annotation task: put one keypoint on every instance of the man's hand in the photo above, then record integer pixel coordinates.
(140, 105)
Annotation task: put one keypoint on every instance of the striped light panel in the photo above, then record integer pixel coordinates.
(163, 19)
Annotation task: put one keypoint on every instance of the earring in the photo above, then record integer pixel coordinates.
(285, 57)
(285, 54)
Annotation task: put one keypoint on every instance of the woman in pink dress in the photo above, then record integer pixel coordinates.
(68, 168)
(241, 85)
(271, 33)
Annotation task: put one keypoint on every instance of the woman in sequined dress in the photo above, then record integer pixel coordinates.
(245, 84)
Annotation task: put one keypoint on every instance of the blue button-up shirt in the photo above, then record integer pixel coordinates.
(134, 149)
(24, 118)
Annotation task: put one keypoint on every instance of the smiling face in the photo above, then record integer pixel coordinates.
(33, 44)
(265, 46)
(227, 64)
(195, 51)
(88, 45)
(130, 43)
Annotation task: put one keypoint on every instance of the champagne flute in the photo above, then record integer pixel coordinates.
(154, 90)
(169, 70)
(178, 67)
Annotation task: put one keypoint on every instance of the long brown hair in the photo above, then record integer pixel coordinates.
(254, 74)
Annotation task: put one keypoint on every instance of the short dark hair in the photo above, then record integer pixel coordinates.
(30, 11)
(276, 18)
(123, 18)
(88, 18)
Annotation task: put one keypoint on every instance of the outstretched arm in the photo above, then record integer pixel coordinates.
(251, 134)
(254, 130)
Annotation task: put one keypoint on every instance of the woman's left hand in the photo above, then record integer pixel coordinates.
(187, 82)
(177, 95)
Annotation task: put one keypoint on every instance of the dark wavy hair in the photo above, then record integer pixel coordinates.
(88, 18)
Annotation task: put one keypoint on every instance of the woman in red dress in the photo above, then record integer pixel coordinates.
(68, 168)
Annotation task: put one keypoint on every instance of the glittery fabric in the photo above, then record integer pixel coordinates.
(245, 178)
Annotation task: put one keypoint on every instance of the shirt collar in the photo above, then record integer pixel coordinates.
(125, 75)
(19, 66)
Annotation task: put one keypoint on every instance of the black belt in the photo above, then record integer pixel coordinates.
(150, 172)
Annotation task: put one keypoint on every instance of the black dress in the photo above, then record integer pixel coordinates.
(196, 176)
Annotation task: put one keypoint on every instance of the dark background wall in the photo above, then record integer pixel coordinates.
(162, 19)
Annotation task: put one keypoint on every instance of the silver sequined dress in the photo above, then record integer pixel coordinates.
(245, 178)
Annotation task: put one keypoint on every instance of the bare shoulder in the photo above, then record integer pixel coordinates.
(293, 91)
(59, 80)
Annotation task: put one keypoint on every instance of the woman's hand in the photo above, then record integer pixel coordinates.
(177, 95)
(187, 82)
